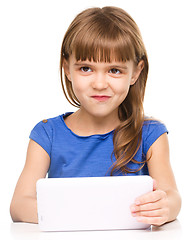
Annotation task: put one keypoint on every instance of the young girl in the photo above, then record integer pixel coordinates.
(105, 66)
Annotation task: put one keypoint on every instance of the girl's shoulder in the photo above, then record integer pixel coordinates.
(151, 131)
(51, 123)
(44, 131)
(46, 125)
(151, 125)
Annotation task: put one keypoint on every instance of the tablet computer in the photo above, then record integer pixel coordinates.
(90, 203)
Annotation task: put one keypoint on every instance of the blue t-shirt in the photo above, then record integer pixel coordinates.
(87, 156)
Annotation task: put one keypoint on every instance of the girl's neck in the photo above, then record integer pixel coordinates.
(84, 124)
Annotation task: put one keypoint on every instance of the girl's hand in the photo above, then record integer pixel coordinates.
(151, 208)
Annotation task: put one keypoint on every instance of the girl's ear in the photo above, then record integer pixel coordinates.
(66, 69)
(137, 71)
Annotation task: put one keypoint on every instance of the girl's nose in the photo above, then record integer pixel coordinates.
(100, 81)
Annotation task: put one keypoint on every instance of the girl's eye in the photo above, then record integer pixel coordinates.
(85, 69)
(114, 71)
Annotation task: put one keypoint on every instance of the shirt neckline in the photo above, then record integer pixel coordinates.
(97, 136)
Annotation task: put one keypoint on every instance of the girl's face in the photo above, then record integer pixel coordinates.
(101, 87)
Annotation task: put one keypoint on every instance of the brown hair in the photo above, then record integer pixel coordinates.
(107, 34)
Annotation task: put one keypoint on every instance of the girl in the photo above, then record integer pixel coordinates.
(105, 66)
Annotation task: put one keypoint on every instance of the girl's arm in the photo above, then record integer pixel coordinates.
(164, 203)
(24, 205)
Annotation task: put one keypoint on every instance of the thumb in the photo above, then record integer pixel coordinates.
(155, 186)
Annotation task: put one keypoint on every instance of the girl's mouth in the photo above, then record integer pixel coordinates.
(101, 98)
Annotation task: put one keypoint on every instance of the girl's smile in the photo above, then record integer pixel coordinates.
(101, 98)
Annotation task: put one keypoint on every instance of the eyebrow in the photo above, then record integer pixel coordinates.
(119, 66)
(82, 64)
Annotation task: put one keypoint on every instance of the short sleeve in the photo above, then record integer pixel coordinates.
(42, 134)
(152, 130)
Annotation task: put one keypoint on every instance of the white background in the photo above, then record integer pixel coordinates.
(30, 89)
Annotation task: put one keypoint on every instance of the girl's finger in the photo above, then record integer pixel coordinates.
(146, 207)
(154, 213)
(150, 197)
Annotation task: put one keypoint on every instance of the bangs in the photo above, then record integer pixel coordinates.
(103, 42)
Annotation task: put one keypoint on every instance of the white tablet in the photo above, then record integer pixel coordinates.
(90, 203)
